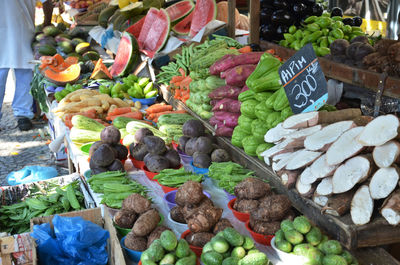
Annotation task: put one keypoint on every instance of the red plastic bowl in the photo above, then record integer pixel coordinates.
(150, 175)
(136, 163)
(166, 189)
(195, 249)
(243, 217)
(259, 238)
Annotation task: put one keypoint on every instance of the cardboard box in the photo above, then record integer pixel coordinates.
(17, 248)
(115, 254)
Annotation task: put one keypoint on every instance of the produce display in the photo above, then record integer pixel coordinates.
(176, 177)
(167, 249)
(321, 31)
(115, 187)
(195, 142)
(45, 199)
(230, 247)
(126, 57)
(301, 238)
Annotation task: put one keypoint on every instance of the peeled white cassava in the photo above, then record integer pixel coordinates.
(383, 182)
(362, 206)
(379, 131)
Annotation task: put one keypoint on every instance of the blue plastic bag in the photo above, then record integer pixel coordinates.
(31, 174)
(74, 241)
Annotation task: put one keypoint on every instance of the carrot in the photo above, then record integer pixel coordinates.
(176, 79)
(232, 48)
(119, 111)
(134, 115)
(245, 49)
(183, 73)
(186, 82)
(158, 108)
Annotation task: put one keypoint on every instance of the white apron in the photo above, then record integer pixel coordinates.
(17, 26)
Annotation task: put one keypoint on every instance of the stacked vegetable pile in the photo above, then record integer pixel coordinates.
(168, 250)
(61, 92)
(325, 161)
(136, 214)
(226, 107)
(263, 106)
(228, 175)
(197, 211)
(15, 218)
(277, 16)
(230, 247)
(195, 142)
(321, 32)
(156, 111)
(301, 238)
(153, 152)
(174, 178)
(171, 123)
(107, 154)
(351, 53)
(115, 187)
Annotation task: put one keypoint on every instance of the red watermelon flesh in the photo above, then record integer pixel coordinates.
(136, 28)
(126, 55)
(154, 32)
(204, 12)
(179, 10)
(183, 26)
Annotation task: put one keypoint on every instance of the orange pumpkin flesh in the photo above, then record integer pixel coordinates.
(100, 71)
(61, 78)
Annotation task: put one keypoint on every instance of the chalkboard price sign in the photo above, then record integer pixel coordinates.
(304, 82)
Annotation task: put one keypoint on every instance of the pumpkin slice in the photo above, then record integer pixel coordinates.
(100, 71)
(61, 78)
(55, 61)
(71, 60)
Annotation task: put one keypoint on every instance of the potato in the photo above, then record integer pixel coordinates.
(189, 193)
(134, 242)
(252, 188)
(155, 234)
(146, 223)
(136, 203)
(199, 239)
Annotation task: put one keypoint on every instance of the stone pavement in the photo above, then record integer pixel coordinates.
(19, 149)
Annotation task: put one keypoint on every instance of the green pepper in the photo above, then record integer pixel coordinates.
(356, 29)
(337, 33)
(347, 29)
(304, 41)
(323, 22)
(248, 107)
(313, 37)
(259, 128)
(262, 111)
(325, 32)
(238, 135)
(261, 148)
(292, 29)
(246, 95)
(286, 112)
(267, 64)
(331, 39)
(269, 103)
(323, 51)
(337, 18)
(104, 89)
(297, 45)
(298, 35)
(324, 42)
(337, 25)
(289, 37)
(262, 96)
(250, 144)
(310, 19)
(283, 43)
(346, 37)
(313, 27)
(281, 100)
(244, 121)
(326, 14)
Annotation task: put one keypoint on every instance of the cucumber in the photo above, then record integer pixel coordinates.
(82, 122)
(173, 118)
(121, 122)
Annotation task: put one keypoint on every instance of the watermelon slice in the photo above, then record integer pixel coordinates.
(204, 12)
(180, 10)
(126, 56)
(155, 31)
(136, 28)
(183, 26)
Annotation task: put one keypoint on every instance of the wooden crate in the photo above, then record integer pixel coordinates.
(378, 232)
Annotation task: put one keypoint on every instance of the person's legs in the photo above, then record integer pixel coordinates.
(3, 80)
(22, 102)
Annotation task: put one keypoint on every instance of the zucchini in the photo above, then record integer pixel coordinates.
(173, 118)
(121, 122)
(85, 123)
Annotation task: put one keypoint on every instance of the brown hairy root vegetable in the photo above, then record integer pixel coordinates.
(272, 208)
(265, 228)
(362, 206)
(383, 45)
(252, 188)
(221, 225)
(199, 239)
(189, 193)
(385, 155)
(137, 203)
(177, 214)
(189, 208)
(379, 131)
(383, 182)
(203, 219)
(135, 242)
(245, 206)
(146, 223)
(339, 204)
(156, 234)
(125, 219)
(391, 208)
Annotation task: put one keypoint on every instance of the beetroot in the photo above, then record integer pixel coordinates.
(225, 92)
(227, 104)
(237, 76)
(224, 131)
(229, 119)
(228, 62)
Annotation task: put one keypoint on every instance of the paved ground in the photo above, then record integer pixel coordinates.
(19, 149)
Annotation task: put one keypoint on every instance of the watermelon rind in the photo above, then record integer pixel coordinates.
(179, 10)
(123, 63)
(179, 27)
(199, 11)
(132, 10)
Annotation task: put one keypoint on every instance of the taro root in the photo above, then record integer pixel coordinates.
(155, 234)
(362, 51)
(221, 225)
(201, 160)
(203, 145)
(190, 146)
(136, 203)
(338, 47)
(273, 208)
(199, 239)
(141, 133)
(155, 145)
(203, 219)
(265, 228)
(193, 128)
(125, 219)
(252, 188)
(189, 208)
(122, 151)
(146, 223)
(382, 46)
(177, 214)
(116, 166)
(156, 163)
(245, 206)
(191, 192)
(173, 158)
(220, 155)
(134, 242)
(103, 156)
(110, 135)
(138, 151)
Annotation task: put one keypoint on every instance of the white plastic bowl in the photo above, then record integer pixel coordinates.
(288, 258)
(178, 227)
